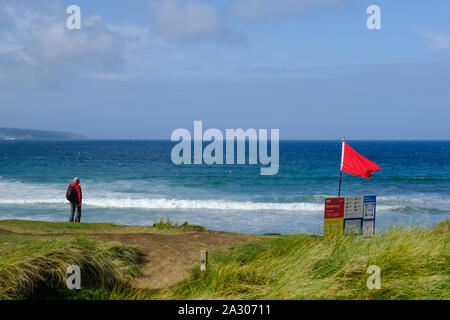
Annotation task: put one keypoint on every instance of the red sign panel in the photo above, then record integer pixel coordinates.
(334, 208)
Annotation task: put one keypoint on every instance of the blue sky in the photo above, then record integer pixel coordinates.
(142, 68)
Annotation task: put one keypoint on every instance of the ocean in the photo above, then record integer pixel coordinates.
(136, 183)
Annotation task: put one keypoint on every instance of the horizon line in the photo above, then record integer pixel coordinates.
(169, 140)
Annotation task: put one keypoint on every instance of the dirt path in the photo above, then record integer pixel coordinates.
(169, 257)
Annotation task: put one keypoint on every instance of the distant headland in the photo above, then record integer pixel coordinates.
(31, 134)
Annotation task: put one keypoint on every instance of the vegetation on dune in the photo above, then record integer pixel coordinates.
(414, 262)
(37, 267)
(119, 292)
(61, 228)
(167, 224)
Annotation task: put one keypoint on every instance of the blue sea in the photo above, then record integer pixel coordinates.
(136, 183)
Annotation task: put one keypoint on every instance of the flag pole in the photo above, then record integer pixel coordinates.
(342, 161)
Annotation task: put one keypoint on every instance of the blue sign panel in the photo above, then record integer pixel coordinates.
(369, 211)
(369, 207)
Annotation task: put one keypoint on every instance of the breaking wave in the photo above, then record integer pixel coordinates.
(178, 204)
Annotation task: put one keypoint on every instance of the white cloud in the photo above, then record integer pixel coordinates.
(92, 47)
(178, 21)
(262, 9)
(36, 49)
(437, 40)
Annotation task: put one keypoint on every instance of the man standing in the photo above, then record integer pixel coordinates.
(73, 194)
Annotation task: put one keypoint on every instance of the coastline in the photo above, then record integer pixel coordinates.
(133, 183)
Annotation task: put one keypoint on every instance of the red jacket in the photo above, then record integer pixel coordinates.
(77, 191)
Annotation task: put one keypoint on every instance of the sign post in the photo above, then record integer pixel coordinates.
(203, 260)
(334, 217)
(350, 215)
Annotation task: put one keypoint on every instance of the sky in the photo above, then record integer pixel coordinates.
(139, 69)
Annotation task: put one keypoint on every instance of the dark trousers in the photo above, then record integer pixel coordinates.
(72, 211)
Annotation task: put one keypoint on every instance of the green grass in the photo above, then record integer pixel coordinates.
(167, 224)
(68, 228)
(119, 292)
(32, 267)
(414, 262)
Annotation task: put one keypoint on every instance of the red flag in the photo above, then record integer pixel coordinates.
(354, 163)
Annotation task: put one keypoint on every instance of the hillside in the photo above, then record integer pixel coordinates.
(31, 134)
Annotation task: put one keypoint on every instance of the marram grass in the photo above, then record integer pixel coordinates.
(168, 224)
(36, 267)
(414, 262)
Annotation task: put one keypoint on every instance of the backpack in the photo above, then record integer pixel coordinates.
(71, 193)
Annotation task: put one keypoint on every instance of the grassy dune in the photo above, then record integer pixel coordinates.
(34, 259)
(414, 262)
(36, 267)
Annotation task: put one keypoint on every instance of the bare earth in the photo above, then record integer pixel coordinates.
(169, 257)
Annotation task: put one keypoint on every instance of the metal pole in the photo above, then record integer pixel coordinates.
(340, 181)
(342, 160)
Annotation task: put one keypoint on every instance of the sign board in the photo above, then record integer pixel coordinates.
(353, 207)
(334, 217)
(333, 227)
(368, 228)
(334, 208)
(370, 203)
(352, 226)
(350, 215)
